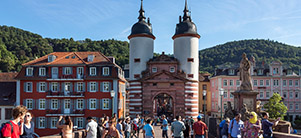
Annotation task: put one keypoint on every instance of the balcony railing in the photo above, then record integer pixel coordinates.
(65, 94)
(62, 112)
(67, 77)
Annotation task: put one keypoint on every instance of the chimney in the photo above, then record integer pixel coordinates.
(112, 59)
(90, 58)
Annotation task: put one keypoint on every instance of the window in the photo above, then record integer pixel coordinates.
(267, 82)
(42, 87)
(80, 122)
(93, 71)
(284, 94)
(225, 94)
(225, 106)
(255, 82)
(267, 94)
(172, 69)
(261, 94)
(42, 71)
(53, 121)
(297, 106)
(136, 75)
(260, 72)
(231, 82)
(80, 70)
(296, 95)
(291, 95)
(284, 83)
(237, 82)
(41, 122)
(231, 95)
(190, 75)
(275, 71)
(28, 87)
(231, 72)
(105, 104)
(67, 70)
(106, 86)
(290, 106)
(137, 60)
(276, 82)
(29, 71)
(80, 86)
(80, 104)
(296, 83)
(67, 86)
(29, 104)
(42, 104)
(105, 71)
(54, 104)
(289, 72)
(261, 82)
(204, 87)
(154, 69)
(54, 86)
(212, 83)
(190, 59)
(92, 105)
(290, 82)
(92, 86)
(212, 94)
(8, 113)
(225, 82)
(212, 105)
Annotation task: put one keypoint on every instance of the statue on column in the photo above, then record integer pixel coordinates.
(244, 74)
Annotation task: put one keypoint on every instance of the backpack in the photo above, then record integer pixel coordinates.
(232, 125)
(135, 127)
(12, 128)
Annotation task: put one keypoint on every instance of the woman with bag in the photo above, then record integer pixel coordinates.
(253, 126)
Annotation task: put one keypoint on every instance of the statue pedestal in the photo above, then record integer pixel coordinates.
(245, 97)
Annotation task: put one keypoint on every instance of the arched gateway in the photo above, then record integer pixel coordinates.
(163, 105)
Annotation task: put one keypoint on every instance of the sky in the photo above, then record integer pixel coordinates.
(217, 21)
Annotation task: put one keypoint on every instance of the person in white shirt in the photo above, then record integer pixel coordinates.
(91, 128)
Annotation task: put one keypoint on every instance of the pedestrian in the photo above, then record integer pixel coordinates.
(236, 126)
(148, 130)
(127, 128)
(252, 127)
(224, 130)
(12, 129)
(177, 128)
(187, 130)
(91, 128)
(67, 127)
(221, 126)
(267, 125)
(119, 127)
(28, 128)
(100, 127)
(112, 132)
(164, 127)
(200, 128)
(136, 128)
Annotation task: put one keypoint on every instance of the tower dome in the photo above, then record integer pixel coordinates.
(142, 28)
(185, 26)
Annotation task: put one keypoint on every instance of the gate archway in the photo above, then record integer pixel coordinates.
(163, 105)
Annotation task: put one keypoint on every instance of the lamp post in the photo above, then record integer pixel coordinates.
(221, 92)
(112, 95)
(204, 104)
(124, 99)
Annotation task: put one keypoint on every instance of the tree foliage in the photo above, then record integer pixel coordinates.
(262, 50)
(275, 107)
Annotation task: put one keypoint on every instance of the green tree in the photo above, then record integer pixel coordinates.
(275, 107)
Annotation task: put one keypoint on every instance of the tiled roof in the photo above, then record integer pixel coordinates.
(7, 93)
(68, 58)
(8, 76)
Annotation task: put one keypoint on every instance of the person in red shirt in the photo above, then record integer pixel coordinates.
(200, 128)
(18, 115)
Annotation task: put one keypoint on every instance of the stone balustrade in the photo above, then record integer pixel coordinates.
(76, 134)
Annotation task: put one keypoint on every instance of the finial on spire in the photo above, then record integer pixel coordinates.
(186, 12)
(141, 11)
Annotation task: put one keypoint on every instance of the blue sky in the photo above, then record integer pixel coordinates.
(218, 21)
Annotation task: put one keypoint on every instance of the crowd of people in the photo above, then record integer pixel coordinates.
(236, 128)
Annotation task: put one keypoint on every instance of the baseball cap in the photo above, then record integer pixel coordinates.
(199, 117)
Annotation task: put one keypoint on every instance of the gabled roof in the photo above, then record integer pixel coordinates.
(68, 58)
(172, 75)
(8, 76)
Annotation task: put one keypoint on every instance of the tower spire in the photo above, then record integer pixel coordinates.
(186, 12)
(141, 11)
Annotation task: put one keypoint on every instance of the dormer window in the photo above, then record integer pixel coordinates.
(51, 58)
(172, 69)
(154, 69)
(231, 72)
(90, 58)
(105, 71)
(29, 71)
(42, 71)
(275, 71)
(260, 72)
(93, 71)
(289, 72)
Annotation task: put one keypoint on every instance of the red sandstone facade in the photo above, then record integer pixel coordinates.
(77, 84)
